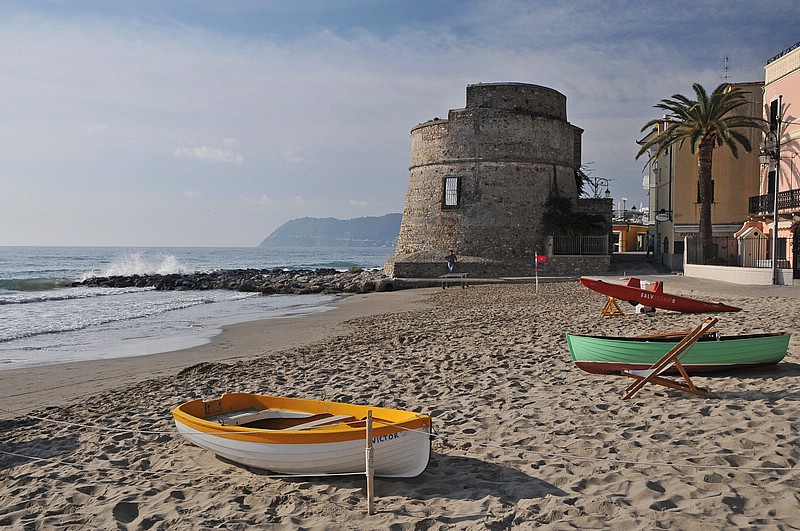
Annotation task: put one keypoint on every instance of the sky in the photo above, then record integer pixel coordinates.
(210, 123)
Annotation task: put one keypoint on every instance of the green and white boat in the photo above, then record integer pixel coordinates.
(711, 353)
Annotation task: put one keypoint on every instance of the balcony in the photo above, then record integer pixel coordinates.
(762, 204)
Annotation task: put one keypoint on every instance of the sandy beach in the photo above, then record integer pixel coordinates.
(523, 438)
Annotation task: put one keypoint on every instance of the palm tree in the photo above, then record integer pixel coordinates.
(706, 123)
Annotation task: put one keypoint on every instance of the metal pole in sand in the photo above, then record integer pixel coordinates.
(370, 467)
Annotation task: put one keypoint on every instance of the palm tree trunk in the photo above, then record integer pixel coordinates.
(704, 154)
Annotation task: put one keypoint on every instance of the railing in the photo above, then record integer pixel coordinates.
(580, 245)
(738, 252)
(762, 204)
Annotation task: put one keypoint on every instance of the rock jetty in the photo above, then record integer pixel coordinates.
(265, 281)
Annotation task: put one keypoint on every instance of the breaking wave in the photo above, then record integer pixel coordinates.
(137, 264)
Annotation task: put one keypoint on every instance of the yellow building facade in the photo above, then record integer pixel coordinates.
(674, 194)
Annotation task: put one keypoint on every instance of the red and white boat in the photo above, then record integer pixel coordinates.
(654, 297)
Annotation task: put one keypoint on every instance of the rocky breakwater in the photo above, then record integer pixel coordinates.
(265, 281)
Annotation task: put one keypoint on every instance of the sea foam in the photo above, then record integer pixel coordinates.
(137, 264)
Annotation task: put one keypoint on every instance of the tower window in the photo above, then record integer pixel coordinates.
(452, 192)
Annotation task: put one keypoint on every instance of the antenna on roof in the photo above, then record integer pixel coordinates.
(725, 70)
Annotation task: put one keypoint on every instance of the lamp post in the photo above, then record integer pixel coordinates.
(773, 138)
(596, 184)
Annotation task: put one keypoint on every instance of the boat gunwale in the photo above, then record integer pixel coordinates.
(330, 433)
(677, 338)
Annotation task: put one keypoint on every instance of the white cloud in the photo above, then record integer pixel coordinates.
(192, 193)
(258, 200)
(356, 203)
(95, 128)
(209, 153)
(290, 154)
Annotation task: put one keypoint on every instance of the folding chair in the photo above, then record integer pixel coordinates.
(668, 361)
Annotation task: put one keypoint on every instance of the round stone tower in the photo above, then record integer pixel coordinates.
(478, 182)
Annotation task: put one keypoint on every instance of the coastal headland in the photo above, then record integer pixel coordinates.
(522, 437)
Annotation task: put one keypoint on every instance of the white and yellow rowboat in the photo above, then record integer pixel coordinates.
(306, 437)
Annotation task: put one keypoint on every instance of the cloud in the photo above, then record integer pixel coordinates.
(95, 127)
(209, 153)
(290, 154)
(258, 200)
(192, 193)
(357, 203)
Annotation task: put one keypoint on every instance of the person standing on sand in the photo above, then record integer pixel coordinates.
(451, 261)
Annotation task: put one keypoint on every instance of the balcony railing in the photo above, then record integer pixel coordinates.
(762, 204)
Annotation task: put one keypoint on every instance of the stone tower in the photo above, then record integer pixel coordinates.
(479, 180)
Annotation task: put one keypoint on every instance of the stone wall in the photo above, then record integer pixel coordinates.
(556, 266)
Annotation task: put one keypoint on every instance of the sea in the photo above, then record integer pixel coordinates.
(44, 320)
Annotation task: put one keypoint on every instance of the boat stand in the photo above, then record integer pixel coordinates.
(611, 308)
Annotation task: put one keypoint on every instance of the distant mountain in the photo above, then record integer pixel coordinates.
(374, 231)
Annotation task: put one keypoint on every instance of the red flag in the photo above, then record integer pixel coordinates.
(540, 259)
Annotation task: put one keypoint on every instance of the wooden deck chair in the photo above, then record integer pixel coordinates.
(667, 361)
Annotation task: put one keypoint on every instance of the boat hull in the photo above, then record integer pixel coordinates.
(610, 355)
(655, 299)
(401, 439)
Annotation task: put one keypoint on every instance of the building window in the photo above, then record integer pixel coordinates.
(712, 191)
(452, 192)
(774, 115)
(771, 182)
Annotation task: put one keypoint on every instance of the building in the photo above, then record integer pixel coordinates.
(674, 189)
(779, 164)
(479, 182)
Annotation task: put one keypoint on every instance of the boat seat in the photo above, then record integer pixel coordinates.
(238, 418)
(321, 422)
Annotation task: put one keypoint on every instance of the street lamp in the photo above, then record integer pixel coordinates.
(773, 139)
(596, 184)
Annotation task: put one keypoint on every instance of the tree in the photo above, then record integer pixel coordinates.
(706, 123)
(559, 218)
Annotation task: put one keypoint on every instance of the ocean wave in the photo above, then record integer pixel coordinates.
(34, 284)
(136, 264)
(36, 295)
(52, 322)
